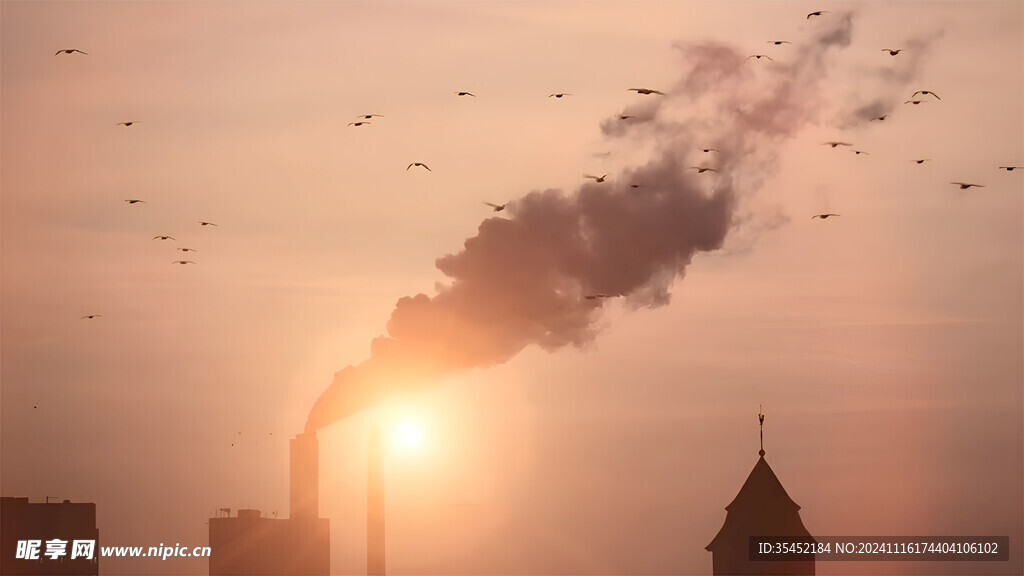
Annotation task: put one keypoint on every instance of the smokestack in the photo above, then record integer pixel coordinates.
(375, 507)
(304, 484)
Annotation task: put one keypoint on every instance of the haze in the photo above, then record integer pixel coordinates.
(884, 344)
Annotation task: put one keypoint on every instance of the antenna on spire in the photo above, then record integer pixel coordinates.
(760, 418)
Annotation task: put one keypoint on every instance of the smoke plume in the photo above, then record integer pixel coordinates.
(525, 279)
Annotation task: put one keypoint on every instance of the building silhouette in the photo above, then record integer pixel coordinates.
(375, 550)
(761, 508)
(66, 521)
(249, 544)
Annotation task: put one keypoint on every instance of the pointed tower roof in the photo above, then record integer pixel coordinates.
(761, 508)
(762, 489)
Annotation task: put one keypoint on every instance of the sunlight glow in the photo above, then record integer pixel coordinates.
(407, 435)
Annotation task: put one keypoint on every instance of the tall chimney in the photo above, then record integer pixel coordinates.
(375, 507)
(304, 484)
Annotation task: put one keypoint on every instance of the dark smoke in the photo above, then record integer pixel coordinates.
(522, 280)
(887, 82)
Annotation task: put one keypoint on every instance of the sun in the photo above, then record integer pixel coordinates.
(407, 435)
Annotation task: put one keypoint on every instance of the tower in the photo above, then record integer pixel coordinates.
(761, 508)
(375, 557)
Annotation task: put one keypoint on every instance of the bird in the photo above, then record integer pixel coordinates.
(636, 185)
(597, 179)
(368, 116)
(860, 152)
(834, 144)
(921, 160)
(914, 102)
(201, 223)
(818, 13)
(127, 123)
(708, 150)
(891, 51)
(759, 56)
(823, 216)
(625, 116)
(188, 249)
(465, 94)
(880, 118)
(183, 262)
(778, 42)
(596, 296)
(91, 316)
(703, 169)
(69, 51)
(496, 207)
(418, 164)
(163, 238)
(926, 92)
(965, 186)
(358, 123)
(134, 201)
(1011, 168)
(645, 91)
(559, 95)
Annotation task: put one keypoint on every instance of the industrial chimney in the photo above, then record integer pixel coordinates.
(304, 485)
(375, 565)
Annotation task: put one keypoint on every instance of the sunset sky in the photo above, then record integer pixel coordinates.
(555, 434)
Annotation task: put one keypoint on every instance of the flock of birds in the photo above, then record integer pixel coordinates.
(133, 201)
(916, 98)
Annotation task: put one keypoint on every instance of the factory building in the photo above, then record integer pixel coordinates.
(249, 544)
(40, 538)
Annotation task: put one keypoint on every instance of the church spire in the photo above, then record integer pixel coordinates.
(760, 417)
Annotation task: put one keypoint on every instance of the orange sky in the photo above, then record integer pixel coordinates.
(885, 344)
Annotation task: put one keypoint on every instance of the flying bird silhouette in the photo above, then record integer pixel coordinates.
(818, 13)
(183, 262)
(921, 160)
(187, 249)
(926, 92)
(596, 296)
(127, 123)
(778, 42)
(360, 123)
(368, 116)
(759, 56)
(163, 238)
(880, 118)
(708, 150)
(91, 316)
(823, 216)
(834, 144)
(645, 91)
(597, 179)
(636, 185)
(206, 223)
(891, 51)
(465, 94)
(861, 152)
(559, 95)
(496, 207)
(133, 201)
(1011, 168)
(625, 116)
(418, 164)
(703, 169)
(69, 51)
(914, 102)
(965, 186)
